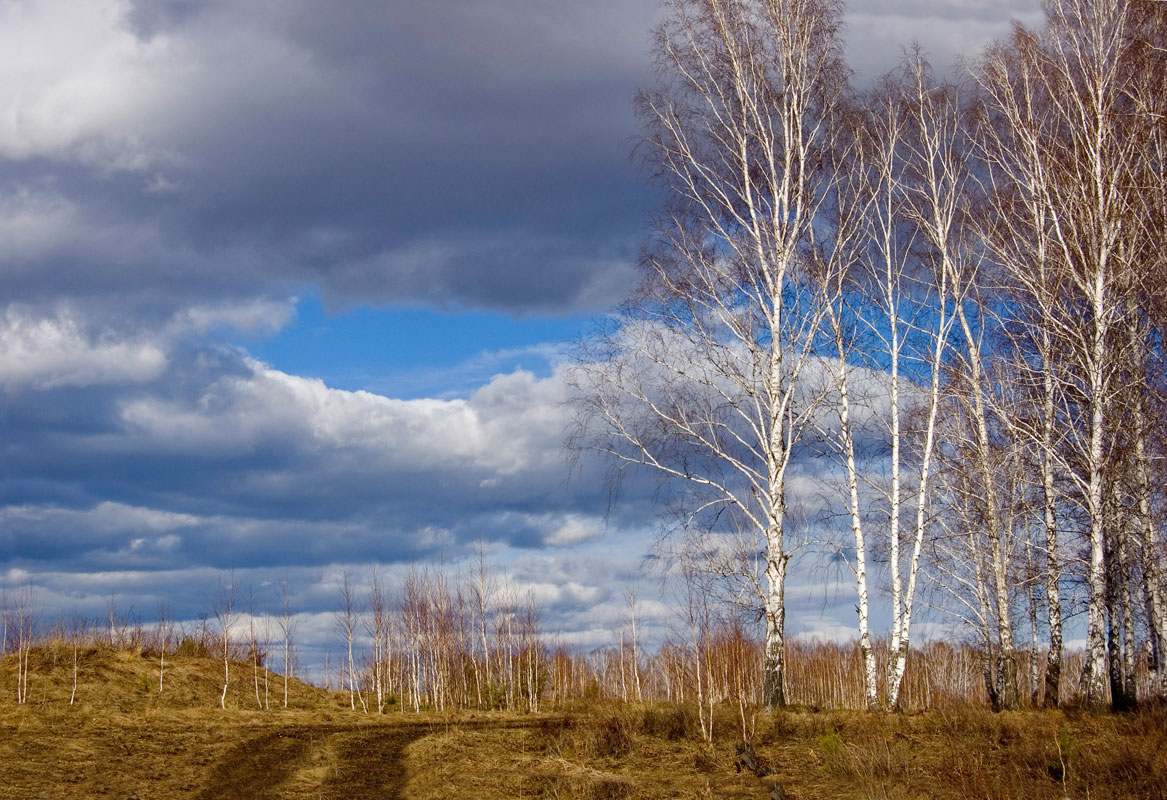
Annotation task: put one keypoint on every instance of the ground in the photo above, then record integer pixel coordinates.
(121, 739)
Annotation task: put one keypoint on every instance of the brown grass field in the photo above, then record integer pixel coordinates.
(120, 739)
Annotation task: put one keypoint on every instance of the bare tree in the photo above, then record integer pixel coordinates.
(887, 280)
(165, 628)
(1016, 228)
(482, 589)
(347, 622)
(258, 651)
(24, 625)
(111, 611)
(379, 627)
(77, 633)
(934, 180)
(224, 609)
(287, 623)
(1072, 148)
(695, 608)
(632, 603)
(266, 641)
(700, 378)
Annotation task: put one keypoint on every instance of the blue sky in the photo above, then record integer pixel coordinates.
(414, 352)
(284, 288)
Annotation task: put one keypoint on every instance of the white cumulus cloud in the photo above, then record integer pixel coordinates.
(50, 351)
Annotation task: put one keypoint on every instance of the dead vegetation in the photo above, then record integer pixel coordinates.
(657, 752)
(120, 739)
(127, 680)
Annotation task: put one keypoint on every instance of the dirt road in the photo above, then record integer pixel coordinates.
(315, 762)
(204, 755)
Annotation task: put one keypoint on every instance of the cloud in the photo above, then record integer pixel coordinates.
(415, 154)
(73, 84)
(155, 448)
(825, 631)
(572, 531)
(879, 31)
(257, 316)
(49, 352)
(425, 154)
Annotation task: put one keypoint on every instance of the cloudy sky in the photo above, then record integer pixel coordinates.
(284, 286)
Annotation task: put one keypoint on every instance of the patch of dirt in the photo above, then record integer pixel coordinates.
(257, 767)
(317, 761)
(370, 762)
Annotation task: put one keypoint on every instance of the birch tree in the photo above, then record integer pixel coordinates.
(1077, 165)
(379, 627)
(1016, 226)
(482, 589)
(258, 650)
(165, 636)
(287, 625)
(938, 174)
(887, 278)
(1148, 54)
(224, 609)
(698, 378)
(347, 624)
(844, 269)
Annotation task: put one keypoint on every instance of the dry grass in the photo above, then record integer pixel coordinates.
(969, 753)
(588, 758)
(127, 681)
(119, 741)
(621, 752)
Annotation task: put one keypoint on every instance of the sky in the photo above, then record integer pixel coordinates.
(287, 287)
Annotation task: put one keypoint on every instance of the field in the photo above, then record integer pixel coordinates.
(120, 739)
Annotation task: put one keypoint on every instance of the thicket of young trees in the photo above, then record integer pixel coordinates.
(438, 642)
(917, 327)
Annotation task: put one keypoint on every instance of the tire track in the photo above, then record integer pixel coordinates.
(363, 762)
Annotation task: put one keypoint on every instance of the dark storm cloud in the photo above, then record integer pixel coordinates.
(448, 153)
(452, 153)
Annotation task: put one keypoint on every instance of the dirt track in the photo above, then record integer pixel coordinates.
(205, 755)
(315, 761)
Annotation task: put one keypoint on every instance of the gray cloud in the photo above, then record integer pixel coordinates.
(391, 153)
(879, 31)
(448, 154)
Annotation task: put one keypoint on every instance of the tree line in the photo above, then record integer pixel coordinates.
(444, 641)
(913, 330)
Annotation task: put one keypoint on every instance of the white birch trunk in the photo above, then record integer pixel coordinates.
(774, 675)
(1093, 681)
(1156, 613)
(870, 687)
(1053, 666)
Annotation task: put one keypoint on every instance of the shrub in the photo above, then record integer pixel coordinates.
(669, 722)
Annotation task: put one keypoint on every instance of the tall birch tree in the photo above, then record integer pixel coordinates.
(1076, 146)
(921, 177)
(699, 376)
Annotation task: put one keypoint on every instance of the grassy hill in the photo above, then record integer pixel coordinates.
(122, 739)
(127, 680)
